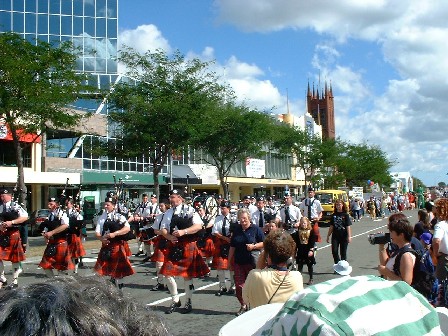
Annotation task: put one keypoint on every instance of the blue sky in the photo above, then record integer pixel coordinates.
(386, 61)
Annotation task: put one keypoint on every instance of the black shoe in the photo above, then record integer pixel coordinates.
(3, 284)
(138, 254)
(310, 282)
(231, 291)
(173, 307)
(158, 287)
(222, 291)
(11, 286)
(188, 307)
(81, 264)
(146, 259)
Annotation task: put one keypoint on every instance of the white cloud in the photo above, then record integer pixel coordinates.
(144, 38)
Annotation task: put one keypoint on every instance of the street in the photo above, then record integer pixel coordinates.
(210, 312)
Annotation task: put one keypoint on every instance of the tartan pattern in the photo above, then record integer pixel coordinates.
(62, 260)
(209, 248)
(192, 265)
(316, 231)
(219, 263)
(14, 252)
(159, 254)
(76, 248)
(118, 266)
(127, 249)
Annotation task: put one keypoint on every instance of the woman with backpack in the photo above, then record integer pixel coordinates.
(401, 232)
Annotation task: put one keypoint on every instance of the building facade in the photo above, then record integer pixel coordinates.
(321, 107)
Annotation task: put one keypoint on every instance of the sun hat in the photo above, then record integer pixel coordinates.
(342, 267)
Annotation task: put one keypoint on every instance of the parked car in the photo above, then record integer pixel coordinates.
(36, 218)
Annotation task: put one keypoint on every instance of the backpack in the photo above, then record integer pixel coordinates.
(423, 278)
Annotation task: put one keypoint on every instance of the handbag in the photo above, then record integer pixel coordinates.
(51, 250)
(4, 241)
(176, 253)
(224, 250)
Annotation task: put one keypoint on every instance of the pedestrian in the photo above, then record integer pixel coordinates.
(245, 246)
(182, 259)
(356, 209)
(55, 229)
(222, 234)
(75, 222)
(305, 239)
(423, 225)
(312, 209)
(12, 216)
(340, 231)
(440, 238)
(111, 230)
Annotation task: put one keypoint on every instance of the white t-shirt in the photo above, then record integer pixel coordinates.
(441, 232)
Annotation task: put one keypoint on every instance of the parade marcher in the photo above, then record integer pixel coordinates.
(205, 237)
(289, 215)
(340, 231)
(111, 230)
(247, 203)
(271, 209)
(12, 216)
(160, 245)
(312, 209)
(55, 229)
(245, 246)
(259, 216)
(75, 222)
(183, 259)
(222, 233)
(305, 239)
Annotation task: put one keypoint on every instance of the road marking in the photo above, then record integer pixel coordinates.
(182, 294)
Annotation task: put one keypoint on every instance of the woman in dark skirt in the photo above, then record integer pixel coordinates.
(305, 239)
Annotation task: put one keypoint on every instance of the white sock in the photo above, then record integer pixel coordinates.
(188, 289)
(172, 287)
(15, 274)
(160, 277)
(222, 278)
(2, 271)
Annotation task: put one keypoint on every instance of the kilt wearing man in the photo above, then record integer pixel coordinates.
(180, 225)
(222, 231)
(74, 240)
(205, 241)
(13, 217)
(57, 254)
(76, 248)
(160, 249)
(113, 258)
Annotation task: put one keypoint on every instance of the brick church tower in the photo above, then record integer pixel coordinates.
(321, 107)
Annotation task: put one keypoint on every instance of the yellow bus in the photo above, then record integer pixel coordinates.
(327, 199)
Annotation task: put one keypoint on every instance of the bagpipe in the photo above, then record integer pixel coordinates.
(119, 196)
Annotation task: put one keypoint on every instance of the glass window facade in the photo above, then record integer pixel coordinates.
(91, 25)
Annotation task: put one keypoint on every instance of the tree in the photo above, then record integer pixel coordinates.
(229, 134)
(37, 81)
(158, 109)
(441, 184)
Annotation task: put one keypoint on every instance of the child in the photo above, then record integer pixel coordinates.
(305, 240)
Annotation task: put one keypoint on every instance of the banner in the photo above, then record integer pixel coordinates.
(255, 168)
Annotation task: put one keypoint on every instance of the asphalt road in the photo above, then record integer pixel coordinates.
(210, 313)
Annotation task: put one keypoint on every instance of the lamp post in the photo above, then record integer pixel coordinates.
(188, 185)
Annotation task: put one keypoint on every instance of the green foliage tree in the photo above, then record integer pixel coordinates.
(37, 81)
(418, 183)
(441, 184)
(158, 110)
(230, 133)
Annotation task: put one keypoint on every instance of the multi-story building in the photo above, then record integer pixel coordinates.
(321, 107)
(92, 25)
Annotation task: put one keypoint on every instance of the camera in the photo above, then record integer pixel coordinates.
(379, 238)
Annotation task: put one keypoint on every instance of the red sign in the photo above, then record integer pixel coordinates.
(5, 134)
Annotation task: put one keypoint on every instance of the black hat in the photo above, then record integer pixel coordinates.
(269, 198)
(153, 196)
(225, 204)
(5, 191)
(247, 197)
(176, 192)
(53, 199)
(219, 196)
(286, 195)
(111, 200)
(199, 206)
(310, 188)
(260, 199)
(111, 194)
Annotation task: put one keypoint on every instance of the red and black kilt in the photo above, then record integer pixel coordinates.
(76, 248)
(159, 254)
(191, 266)
(207, 250)
(118, 265)
(62, 260)
(14, 252)
(127, 249)
(219, 262)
